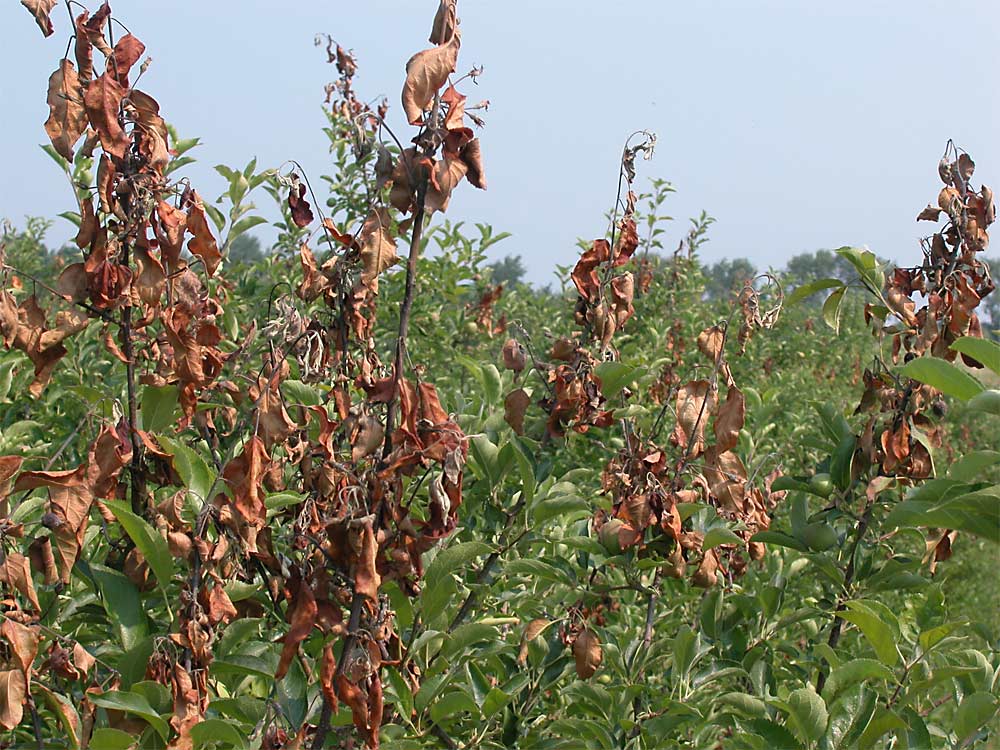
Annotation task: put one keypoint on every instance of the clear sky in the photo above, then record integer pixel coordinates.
(798, 124)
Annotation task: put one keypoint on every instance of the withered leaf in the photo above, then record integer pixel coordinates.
(302, 611)
(126, 53)
(426, 72)
(587, 653)
(695, 403)
(514, 357)
(366, 577)
(302, 214)
(730, 420)
(377, 246)
(153, 133)
(472, 157)
(203, 242)
(444, 23)
(13, 690)
(67, 116)
(514, 406)
(103, 100)
(41, 9)
(15, 571)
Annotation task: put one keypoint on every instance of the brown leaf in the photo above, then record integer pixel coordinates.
(13, 691)
(15, 571)
(82, 659)
(42, 559)
(931, 213)
(726, 476)
(23, 642)
(705, 576)
(695, 403)
(366, 577)
(426, 73)
(150, 282)
(67, 116)
(445, 176)
(126, 53)
(103, 100)
(711, 342)
(587, 653)
(314, 282)
(472, 157)
(88, 224)
(444, 23)
(41, 9)
(152, 130)
(730, 420)
(377, 245)
(514, 357)
(302, 214)
(514, 406)
(202, 243)
(302, 611)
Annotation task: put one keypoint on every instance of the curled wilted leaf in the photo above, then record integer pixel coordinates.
(587, 653)
(202, 243)
(444, 23)
(377, 245)
(302, 214)
(514, 356)
(67, 116)
(514, 407)
(426, 73)
(41, 9)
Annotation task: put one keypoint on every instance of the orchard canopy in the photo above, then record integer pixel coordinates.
(363, 487)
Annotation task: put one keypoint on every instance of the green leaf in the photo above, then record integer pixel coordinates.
(983, 350)
(973, 713)
(493, 383)
(747, 704)
(563, 507)
(871, 620)
(123, 605)
(467, 635)
(970, 466)
(775, 735)
(977, 513)
(852, 673)
(614, 376)
(190, 467)
(111, 739)
(807, 290)
(452, 704)
(215, 732)
(685, 646)
(779, 539)
(720, 535)
(455, 558)
(988, 402)
(860, 720)
(245, 224)
(133, 704)
(944, 376)
(866, 264)
(149, 542)
(831, 309)
(296, 392)
(158, 407)
(842, 461)
(808, 713)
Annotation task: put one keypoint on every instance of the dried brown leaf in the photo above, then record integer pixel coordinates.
(67, 115)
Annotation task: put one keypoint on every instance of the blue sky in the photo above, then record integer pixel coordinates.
(798, 125)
